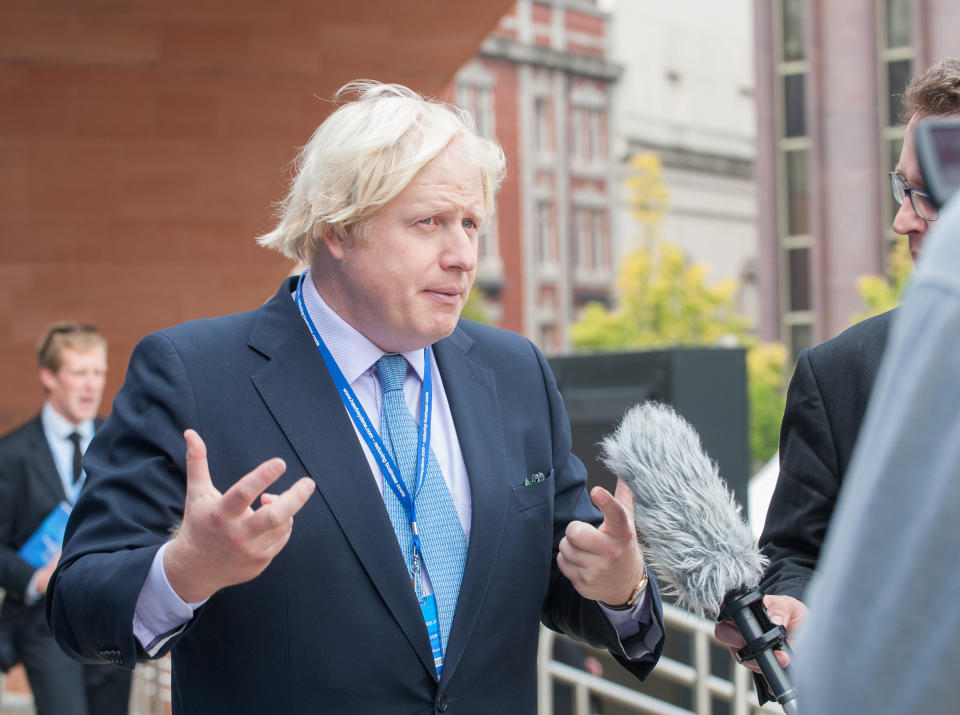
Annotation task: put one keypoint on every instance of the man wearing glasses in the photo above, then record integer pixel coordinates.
(830, 388)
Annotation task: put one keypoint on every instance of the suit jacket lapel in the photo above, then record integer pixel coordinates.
(471, 392)
(299, 392)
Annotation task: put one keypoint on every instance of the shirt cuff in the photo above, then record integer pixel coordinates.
(160, 613)
(636, 628)
(627, 623)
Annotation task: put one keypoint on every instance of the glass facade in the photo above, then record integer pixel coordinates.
(797, 190)
(794, 106)
(793, 181)
(896, 62)
(897, 17)
(898, 74)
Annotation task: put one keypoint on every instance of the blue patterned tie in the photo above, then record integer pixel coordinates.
(444, 545)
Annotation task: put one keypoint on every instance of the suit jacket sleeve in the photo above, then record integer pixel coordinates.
(806, 491)
(826, 403)
(25, 500)
(15, 573)
(564, 609)
(120, 520)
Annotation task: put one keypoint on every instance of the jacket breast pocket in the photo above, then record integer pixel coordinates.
(528, 496)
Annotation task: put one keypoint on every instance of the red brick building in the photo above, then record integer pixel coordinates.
(143, 145)
(541, 84)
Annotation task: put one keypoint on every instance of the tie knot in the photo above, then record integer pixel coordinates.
(75, 438)
(393, 371)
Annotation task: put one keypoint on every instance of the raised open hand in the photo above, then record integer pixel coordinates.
(223, 541)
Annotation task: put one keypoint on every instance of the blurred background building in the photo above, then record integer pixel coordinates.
(573, 91)
(829, 78)
(543, 85)
(143, 145)
(686, 95)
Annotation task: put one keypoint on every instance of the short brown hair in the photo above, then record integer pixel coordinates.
(935, 92)
(66, 334)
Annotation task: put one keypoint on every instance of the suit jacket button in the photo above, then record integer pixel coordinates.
(442, 704)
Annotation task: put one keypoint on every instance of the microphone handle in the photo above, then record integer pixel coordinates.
(763, 638)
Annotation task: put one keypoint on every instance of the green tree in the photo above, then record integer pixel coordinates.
(883, 293)
(665, 301)
(765, 366)
(475, 308)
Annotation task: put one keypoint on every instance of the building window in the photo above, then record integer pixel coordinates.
(478, 101)
(793, 177)
(798, 216)
(589, 135)
(544, 250)
(599, 241)
(542, 126)
(898, 74)
(792, 30)
(895, 62)
(897, 16)
(798, 268)
(590, 251)
(794, 106)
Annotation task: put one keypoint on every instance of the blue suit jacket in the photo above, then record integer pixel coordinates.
(332, 625)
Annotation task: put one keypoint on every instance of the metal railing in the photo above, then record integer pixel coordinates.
(705, 687)
(150, 694)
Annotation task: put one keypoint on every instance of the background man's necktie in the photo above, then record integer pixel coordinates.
(77, 455)
(444, 545)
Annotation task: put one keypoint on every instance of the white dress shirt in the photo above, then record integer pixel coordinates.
(57, 429)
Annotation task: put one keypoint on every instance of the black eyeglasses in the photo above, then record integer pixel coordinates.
(922, 202)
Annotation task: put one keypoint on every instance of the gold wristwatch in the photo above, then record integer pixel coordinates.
(634, 595)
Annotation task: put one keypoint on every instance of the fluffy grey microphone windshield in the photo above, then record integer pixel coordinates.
(688, 522)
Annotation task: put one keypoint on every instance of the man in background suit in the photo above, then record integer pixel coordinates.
(40, 468)
(831, 385)
(342, 593)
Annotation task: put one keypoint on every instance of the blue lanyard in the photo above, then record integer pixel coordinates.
(388, 466)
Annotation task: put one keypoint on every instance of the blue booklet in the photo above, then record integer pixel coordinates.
(46, 541)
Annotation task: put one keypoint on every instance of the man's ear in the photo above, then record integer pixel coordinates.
(48, 379)
(335, 244)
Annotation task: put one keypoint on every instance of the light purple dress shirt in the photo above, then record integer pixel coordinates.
(160, 613)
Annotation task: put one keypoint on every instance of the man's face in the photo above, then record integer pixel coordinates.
(74, 390)
(405, 285)
(907, 222)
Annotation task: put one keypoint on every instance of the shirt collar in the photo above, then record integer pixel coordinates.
(354, 353)
(60, 427)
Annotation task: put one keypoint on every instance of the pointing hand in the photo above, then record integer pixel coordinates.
(604, 563)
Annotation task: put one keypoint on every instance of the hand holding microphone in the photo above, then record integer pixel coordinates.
(785, 611)
(692, 533)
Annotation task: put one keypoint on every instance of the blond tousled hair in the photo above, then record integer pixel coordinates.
(366, 153)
